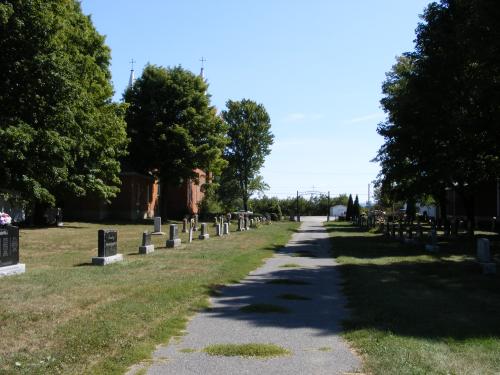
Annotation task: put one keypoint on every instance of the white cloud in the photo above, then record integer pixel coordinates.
(372, 116)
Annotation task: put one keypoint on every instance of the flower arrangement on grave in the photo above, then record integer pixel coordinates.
(5, 218)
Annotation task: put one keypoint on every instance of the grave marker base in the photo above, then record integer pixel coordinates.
(204, 236)
(174, 243)
(103, 261)
(432, 248)
(148, 249)
(158, 233)
(16, 269)
(488, 268)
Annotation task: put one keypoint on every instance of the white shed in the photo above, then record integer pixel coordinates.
(338, 210)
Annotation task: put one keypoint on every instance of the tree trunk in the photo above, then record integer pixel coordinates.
(39, 210)
(443, 210)
(468, 200)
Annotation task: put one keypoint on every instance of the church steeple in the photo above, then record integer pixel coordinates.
(202, 68)
(132, 75)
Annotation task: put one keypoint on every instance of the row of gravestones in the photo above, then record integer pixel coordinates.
(107, 240)
(483, 252)
(107, 252)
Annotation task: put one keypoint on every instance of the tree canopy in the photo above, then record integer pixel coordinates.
(173, 128)
(250, 140)
(59, 132)
(442, 104)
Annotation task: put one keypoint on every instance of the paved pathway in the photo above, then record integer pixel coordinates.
(310, 330)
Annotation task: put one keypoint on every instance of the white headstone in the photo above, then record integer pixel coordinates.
(157, 228)
(483, 250)
(225, 229)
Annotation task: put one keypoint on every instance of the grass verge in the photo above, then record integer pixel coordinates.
(414, 312)
(246, 350)
(64, 316)
(290, 265)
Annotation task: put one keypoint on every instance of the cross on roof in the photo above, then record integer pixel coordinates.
(202, 61)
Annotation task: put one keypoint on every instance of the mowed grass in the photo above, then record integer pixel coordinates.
(414, 312)
(246, 350)
(66, 316)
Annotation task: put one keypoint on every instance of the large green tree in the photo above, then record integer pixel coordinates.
(443, 105)
(172, 126)
(59, 132)
(250, 140)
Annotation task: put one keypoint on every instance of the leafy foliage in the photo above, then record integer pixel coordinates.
(59, 132)
(350, 208)
(443, 106)
(173, 128)
(250, 140)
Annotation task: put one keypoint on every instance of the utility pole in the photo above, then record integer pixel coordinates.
(328, 216)
(297, 207)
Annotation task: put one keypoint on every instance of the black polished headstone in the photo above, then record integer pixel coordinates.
(9, 245)
(107, 242)
(146, 238)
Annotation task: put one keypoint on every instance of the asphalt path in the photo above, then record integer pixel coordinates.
(309, 330)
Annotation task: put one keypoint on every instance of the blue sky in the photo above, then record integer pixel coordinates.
(317, 66)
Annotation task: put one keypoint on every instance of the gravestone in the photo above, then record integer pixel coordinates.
(433, 246)
(146, 246)
(218, 231)
(225, 229)
(483, 250)
(456, 224)
(247, 223)
(190, 237)
(204, 232)
(420, 232)
(410, 231)
(173, 240)
(240, 225)
(216, 221)
(484, 256)
(157, 229)
(107, 248)
(9, 251)
(195, 228)
(59, 218)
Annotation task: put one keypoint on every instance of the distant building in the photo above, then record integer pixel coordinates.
(338, 210)
(140, 198)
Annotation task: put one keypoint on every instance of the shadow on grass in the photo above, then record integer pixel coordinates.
(444, 297)
(84, 264)
(437, 297)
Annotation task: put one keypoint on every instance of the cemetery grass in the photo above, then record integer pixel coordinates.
(413, 312)
(65, 316)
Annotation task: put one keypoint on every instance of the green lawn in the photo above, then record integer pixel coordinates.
(417, 313)
(65, 316)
